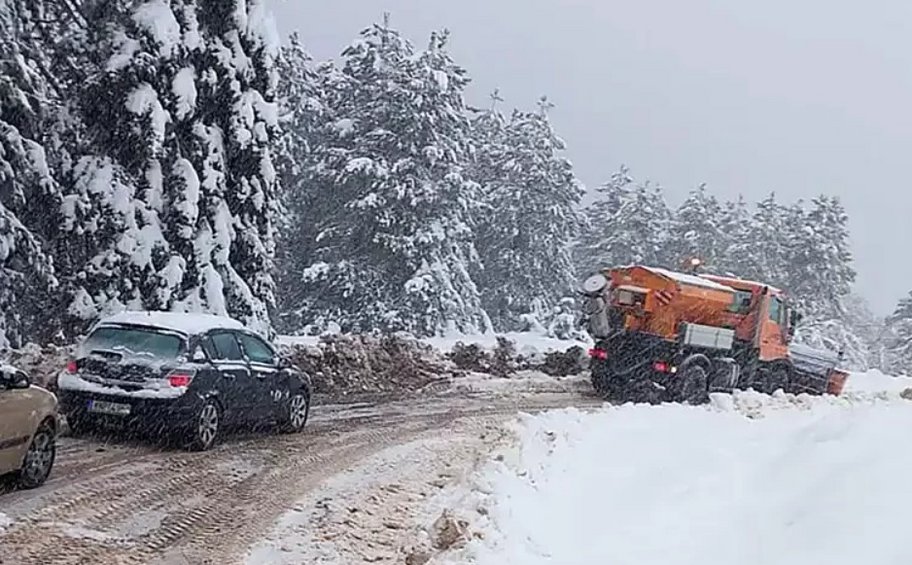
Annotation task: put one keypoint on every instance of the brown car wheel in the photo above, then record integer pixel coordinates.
(39, 459)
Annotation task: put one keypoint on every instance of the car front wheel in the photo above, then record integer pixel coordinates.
(39, 459)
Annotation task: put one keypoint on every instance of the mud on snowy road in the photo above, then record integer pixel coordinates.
(131, 502)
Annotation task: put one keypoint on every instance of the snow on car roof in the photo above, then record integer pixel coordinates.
(692, 280)
(175, 321)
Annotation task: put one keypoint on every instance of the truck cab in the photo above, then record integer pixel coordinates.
(761, 316)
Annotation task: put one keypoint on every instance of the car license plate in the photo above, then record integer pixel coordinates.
(112, 408)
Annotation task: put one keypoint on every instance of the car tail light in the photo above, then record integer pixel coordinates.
(71, 367)
(661, 366)
(597, 353)
(180, 378)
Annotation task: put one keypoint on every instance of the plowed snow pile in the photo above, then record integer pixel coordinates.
(751, 479)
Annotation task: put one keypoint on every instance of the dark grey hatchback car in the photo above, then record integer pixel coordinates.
(187, 376)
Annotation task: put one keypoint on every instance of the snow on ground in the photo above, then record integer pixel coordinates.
(750, 479)
(384, 508)
(5, 522)
(522, 382)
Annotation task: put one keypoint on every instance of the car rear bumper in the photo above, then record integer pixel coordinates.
(151, 415)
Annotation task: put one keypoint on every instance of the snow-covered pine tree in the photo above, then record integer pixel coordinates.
(524, 239)
(821, 275)
(27, 188)
(303, 116)
(762, 251)
(696, 231)
(820, 265)
(734, 227)
(233, 160)
(109, 238)
(899, 347)
(395, 239)
(640, 231)
(595, 247)
(173, 201)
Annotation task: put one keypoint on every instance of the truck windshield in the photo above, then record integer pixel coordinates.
(134, 342)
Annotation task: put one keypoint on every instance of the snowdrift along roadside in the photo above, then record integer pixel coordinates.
(751, 479)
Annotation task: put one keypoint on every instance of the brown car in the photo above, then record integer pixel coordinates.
(28, 428)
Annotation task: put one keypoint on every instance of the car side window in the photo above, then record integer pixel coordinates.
(257, 350)
(224, 347)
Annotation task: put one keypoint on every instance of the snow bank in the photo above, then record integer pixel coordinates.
(527, 343)
(875, 381)
(524, 381)
(344, 364)
(800, 480)
(41, 364)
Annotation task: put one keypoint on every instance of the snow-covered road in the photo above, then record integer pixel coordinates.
(751, 479)
(453, 477)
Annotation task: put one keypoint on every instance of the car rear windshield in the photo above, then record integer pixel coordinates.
(134, 342)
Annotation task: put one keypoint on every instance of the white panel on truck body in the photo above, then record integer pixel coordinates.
(708, 336)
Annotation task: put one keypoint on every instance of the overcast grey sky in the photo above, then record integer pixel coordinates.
(800, 97)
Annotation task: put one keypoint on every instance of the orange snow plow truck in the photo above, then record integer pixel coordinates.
(665, 336)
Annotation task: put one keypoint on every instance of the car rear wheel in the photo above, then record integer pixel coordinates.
(39, 459)
(298, 410)
(207, 425)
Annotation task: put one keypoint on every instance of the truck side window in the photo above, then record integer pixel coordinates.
(775, 309)
(742, 302)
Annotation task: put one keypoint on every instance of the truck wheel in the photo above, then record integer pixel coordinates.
(724, 377)
(771, 379)
(600, 384)
(600, 376)
(694, 385)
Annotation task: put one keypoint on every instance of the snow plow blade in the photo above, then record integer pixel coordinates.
(820, 364)
(811, 360)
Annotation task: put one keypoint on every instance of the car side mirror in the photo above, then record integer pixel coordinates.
(285, 363)
(14, 379)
